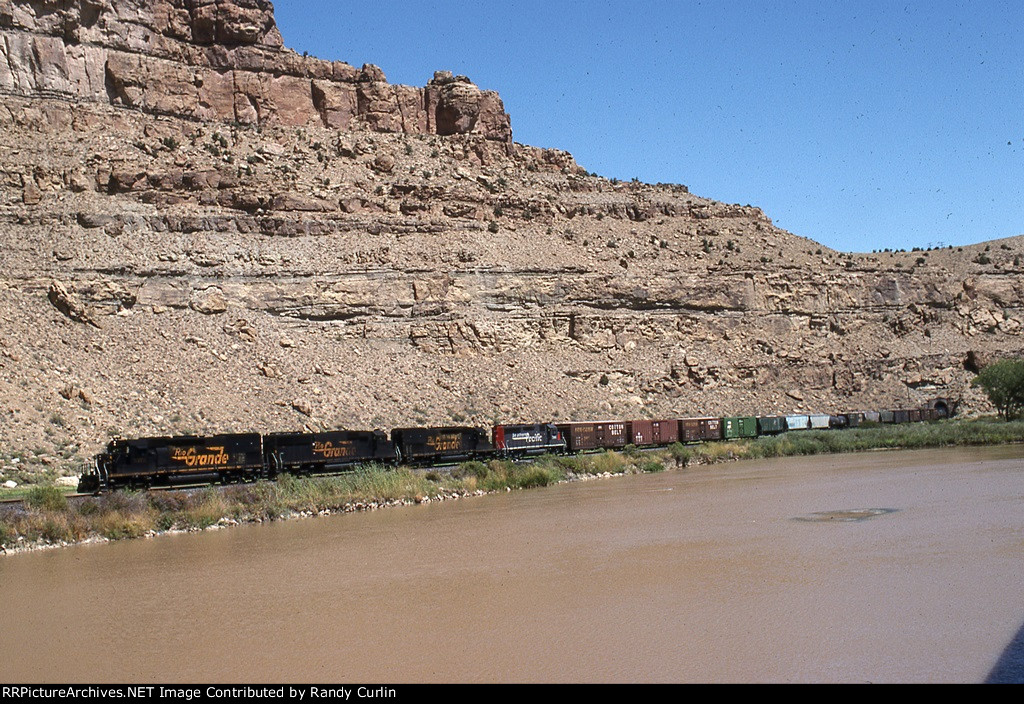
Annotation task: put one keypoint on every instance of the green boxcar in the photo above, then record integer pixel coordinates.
(739, 427)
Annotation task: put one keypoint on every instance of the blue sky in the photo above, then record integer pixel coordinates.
(861, 125)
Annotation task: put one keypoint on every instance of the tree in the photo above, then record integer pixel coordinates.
(1003, 381)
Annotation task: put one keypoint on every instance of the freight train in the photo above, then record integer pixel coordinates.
(190, 459)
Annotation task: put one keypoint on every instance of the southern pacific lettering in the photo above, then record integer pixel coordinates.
(201, 457)
(527, 439)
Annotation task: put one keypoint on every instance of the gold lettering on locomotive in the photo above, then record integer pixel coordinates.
(201, 456)
(328, 451)
(444, 443)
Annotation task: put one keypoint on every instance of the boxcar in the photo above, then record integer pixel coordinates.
(421, 445)
(739, 427)
(886, 417)
(819, 421)
(770, 425)
(798, 422)
(652, 432)
(326, 452)
(872, 417)
(697, 429)
(901, 416)
(914, 415)
(593, 435)
(163, 461)
(522, 440)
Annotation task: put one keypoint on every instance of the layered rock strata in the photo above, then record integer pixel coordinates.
(219, 60)
(173, 263)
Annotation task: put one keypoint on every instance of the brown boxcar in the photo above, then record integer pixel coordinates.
(594, 435)
(697, 429)
(652, 432)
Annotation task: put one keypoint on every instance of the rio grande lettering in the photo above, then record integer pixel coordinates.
(201, 456)
(444, 443)
(327, 450)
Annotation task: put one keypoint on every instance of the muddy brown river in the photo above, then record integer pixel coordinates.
(876, 567)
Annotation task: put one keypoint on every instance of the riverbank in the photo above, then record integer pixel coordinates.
(48, 519)
(908, 436)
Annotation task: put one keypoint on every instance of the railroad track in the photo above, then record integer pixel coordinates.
(446, 466)
(79, 497)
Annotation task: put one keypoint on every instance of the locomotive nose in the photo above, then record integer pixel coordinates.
(88, 483)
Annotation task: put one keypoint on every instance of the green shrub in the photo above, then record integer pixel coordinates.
(532, 476)
(610, 462)
(120, 526)
(470, 469)
(7, 534)
(680, 453)
(1003, 382)
(88, 507)
(46, 498)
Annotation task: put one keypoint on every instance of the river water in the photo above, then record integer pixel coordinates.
(751, 571)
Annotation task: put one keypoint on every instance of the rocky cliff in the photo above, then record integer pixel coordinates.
(218, 60)
(202, 231)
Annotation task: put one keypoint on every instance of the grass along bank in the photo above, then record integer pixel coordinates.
(908, 436)
(48, 518)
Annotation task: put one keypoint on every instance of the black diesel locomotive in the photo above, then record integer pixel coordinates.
(167, 461)
(191, 459)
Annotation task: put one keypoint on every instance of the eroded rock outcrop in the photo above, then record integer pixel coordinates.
(219, 60)
(210, 233)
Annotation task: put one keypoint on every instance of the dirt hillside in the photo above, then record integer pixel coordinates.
(202, 231)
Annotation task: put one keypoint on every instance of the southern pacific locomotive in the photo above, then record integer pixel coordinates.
(190, 459)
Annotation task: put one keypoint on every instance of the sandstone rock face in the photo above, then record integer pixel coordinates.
(203, 232)
(220, 60)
